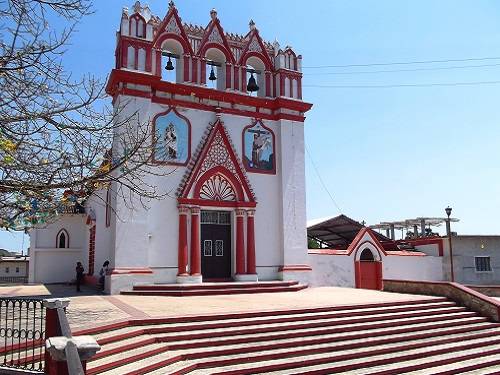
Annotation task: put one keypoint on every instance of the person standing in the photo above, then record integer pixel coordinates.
(102, 273)
(79, 275)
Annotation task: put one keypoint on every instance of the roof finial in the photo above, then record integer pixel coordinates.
(171, 4)
(251, 24)
(213, 14)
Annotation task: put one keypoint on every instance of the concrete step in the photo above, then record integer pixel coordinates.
(208, 286)
(385, 343)
(156, 326)
(212, 292)
(487, 365)
(310, 337)
(373, 360)
(223, 348)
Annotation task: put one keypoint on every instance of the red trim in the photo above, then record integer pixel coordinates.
(130, 271)
(473, 300)
(251, 267)
(92, 249)
(294, 268)
(227, 174)
(268, 84)
(427, 241)
(207, 203)
(262, 55)
(194, 75)
(171, 109)
(228, 76)
(161, 35)
(245, 163)
(125, 76)
(240, 245)
(205, 44)
(195, 244)
(182, 256)
(203, 70)
(406, 253)
(327, 252)
(355, 243)
(207, 107)
(137, 17)
(236, 74)
(186, 68)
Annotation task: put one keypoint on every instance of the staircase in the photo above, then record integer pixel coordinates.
(210, 289)
(427, 336)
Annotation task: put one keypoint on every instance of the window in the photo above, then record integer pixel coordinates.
(207, 248)
(7, 270)
(17, 269)
(482, 264)
(62, 239)
(219, 248)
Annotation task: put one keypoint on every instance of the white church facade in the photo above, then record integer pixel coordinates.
(228, 117)
(233, 162)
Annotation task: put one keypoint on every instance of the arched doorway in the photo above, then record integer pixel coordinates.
(368, 271)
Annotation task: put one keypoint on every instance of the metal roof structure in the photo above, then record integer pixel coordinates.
(337, 232)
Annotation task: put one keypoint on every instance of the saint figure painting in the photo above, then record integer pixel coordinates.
(258, 145)
(172, 138)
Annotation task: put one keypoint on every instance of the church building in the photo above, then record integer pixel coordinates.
(227, 120)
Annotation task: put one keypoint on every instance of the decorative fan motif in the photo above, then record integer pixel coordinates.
(217, 188)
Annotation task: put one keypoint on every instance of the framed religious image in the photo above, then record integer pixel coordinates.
(172, 138)
(259, 149)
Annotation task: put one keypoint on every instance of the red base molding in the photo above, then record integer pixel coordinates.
(130, 270)
(295, 268)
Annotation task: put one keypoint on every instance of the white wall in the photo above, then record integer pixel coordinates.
(332, 270)
(12, 265)
(149, 237)
(55, 265)
(49, 264)
(412, 268)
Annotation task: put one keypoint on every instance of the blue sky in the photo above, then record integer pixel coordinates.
(384, 153)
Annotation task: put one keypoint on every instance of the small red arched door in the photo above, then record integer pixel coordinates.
(368, 271)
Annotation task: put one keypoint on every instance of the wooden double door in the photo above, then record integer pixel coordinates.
(216, 245)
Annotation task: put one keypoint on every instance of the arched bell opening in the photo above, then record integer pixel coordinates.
(172, 63)
(215, 70)
(256, 78)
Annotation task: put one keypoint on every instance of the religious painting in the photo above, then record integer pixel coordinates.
(172, 135)
(258, 146)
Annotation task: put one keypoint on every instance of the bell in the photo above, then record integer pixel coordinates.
(212, 76)
(252, 84)
(169, 66)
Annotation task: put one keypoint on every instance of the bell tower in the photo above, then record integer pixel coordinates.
(227, 119)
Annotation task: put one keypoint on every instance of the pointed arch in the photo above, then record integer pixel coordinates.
(215, 38)
(255, 48)
(62, 239)
(172, 28)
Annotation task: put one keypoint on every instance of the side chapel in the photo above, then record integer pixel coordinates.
(228, 118)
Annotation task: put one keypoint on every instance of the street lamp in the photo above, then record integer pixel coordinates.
(448, 231)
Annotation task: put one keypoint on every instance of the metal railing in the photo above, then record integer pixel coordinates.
(22, 332)
(13, 279)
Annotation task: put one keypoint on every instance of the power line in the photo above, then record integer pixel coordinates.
(320, 179)
(404, 70)
(402, 63)
(444, 84)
